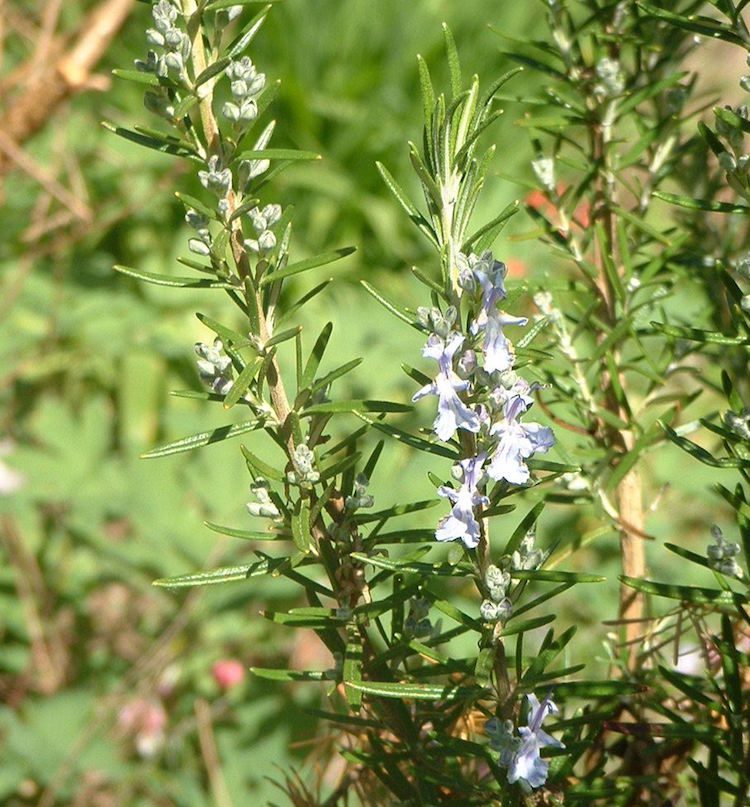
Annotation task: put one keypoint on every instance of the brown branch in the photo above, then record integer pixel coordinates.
(629, 492)
(71, 73)
(210, 754)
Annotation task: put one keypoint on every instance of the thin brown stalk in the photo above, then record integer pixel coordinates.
(62, 77)
(210, 754)
(629, 492)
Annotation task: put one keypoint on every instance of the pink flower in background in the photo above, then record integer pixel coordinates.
(145, 720)
(228, 673)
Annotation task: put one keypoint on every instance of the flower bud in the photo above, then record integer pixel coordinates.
(154, 37)
(231, 111)
(198, 247)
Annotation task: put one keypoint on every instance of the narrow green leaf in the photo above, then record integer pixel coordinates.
(316, 356)
(245, 535)
(353, 406)
(681, 681)
(246, 36)
(301, 526)
(410, 439)
(396, 510)
(306, 265)
(170, 280)
(212, 70)
(701, 560)
(227, 335)
(701, 204)
(165, 146)
(242, 382)
(454, 65)
(456, 614)
(595, 689)
(187, 103)
(223, 575)
(329, 378)
(404, 537)
(732, 118)
(551, 576)
(705, 26)
(259, 467)
(305, 298)
(330, 471)
(402, 315)
(283, 336)
(691, 594)
(291, 675)
(486, 234)
(204, 438)
(485, 665)
(415, 567)
(527, 625)
(428, 93)
(217, 5)
(525, 525)
(191, 202)
(698, 335)
(424, 692)
(701, 454)
(138, 76)
(352, 670)
(293, 155)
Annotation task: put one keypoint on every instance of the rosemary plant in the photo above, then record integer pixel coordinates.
(425, 712)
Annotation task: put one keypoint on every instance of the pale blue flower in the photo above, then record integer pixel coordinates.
(516, 443)
(526, 763)
(453, 413)
(461, 523)
(489, 275)
(497, 349)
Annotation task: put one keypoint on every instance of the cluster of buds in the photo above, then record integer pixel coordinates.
(417, 623)
(527, 557)
(611, 79)
(722, 555)
(262, 222)
(263, 507)
(216, 178)
(360, 497)
(215, 367)
(488, 400)
(304, 474)
(202, 244)
(246, 84)
(172, 42)
(739, 423)
(497, 607)
(732, 128)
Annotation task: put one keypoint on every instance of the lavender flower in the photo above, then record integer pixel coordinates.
(526, 763)
(516, 441)
(453, 413)
(488, 275)
(497, 349)
(461, 523)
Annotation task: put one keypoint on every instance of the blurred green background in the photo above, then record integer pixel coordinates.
(109, 689)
